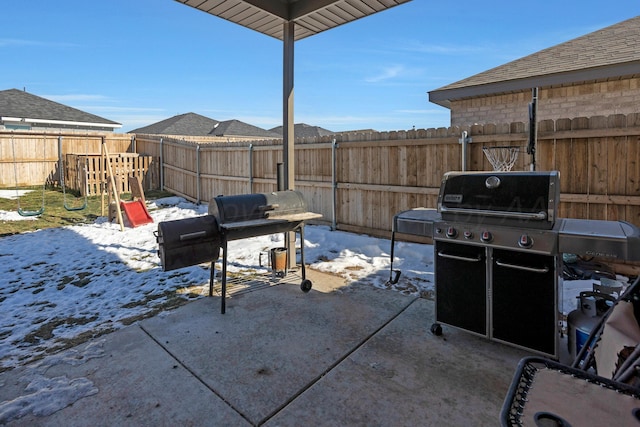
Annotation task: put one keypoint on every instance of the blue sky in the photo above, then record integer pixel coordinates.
(141, 61)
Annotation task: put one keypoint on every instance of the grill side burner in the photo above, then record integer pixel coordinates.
(191, 241)
(597, 238)
(497, 245)
(417, 222)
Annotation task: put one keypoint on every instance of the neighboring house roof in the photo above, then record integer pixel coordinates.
(238, 128)
(302, 130)
(17, 106)
(192, 124)
(611, 52)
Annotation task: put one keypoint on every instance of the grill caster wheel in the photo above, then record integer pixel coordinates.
(305, 285)
(436, 329)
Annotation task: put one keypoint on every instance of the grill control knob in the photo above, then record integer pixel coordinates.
(525, 241)
(486, 236)
(468, 234)
(452, 233)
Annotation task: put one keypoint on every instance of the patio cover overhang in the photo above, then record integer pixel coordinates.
(308, 16)
(289, 21)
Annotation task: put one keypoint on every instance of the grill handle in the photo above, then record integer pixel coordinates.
(460, 258)
(539, 216)
(542, 270)
(194, 235)
(270, 207)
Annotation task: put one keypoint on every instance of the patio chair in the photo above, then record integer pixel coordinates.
(602, 385)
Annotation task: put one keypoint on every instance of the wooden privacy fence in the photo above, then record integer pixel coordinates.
(33, 158)
(357, 181)
(357, 185)
(27, 159)
(360, 181)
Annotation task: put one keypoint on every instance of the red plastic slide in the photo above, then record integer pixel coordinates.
(136, 212)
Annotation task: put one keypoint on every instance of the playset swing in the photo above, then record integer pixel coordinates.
(66, 205)
(21, 211)
(135, 210)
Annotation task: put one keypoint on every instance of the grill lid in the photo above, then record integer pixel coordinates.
(251, 207)
(508, 198)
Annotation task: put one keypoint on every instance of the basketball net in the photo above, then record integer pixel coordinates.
(501, 158)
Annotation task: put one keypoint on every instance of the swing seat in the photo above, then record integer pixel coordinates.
(84, 204)
(75, 208)
(23, 212)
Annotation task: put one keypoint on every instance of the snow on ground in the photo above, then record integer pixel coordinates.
(13, 215)
(59, 286)
(13, 194)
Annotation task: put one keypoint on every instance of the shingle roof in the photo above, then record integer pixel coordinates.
(20, 104)
(238, 128)
(192, 124)
(610, 52)
(303, 130)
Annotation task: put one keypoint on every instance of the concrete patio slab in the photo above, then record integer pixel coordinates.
(338, 355)
(406, 376)
(271, 345)
(136, 383)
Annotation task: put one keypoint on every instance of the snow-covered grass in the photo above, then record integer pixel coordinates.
(61, 286)
(13, 215)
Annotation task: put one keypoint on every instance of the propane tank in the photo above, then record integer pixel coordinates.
(591, 307)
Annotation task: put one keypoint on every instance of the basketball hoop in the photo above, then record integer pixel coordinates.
(502, 158)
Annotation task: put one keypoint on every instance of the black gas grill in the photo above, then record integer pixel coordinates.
(497, 246)
(191, 241)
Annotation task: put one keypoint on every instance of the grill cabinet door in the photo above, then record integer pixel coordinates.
(461, 290)
(525, 300)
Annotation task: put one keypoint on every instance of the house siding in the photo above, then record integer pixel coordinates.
(582, 100)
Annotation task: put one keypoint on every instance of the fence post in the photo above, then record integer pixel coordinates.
(533, 130)
(161, 164)
(198, 174)
(60, 163)
(280, 176)
(465, 140)
(250, 168)
(334, 183)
